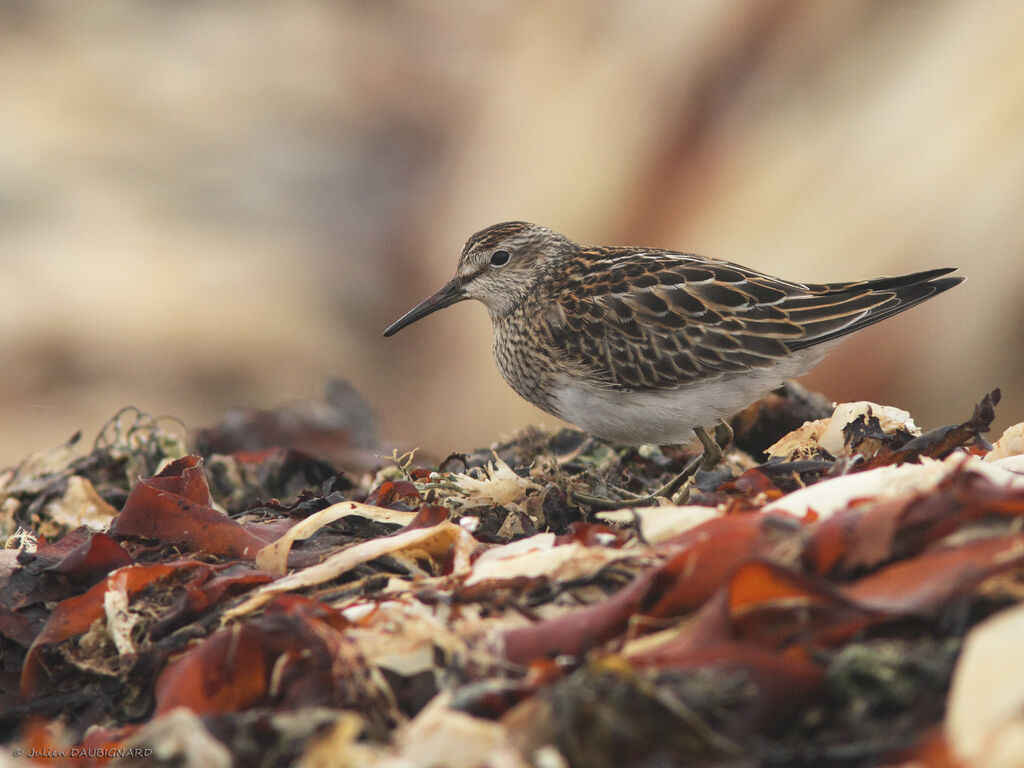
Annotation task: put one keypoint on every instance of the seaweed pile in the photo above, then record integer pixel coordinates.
(842, 590)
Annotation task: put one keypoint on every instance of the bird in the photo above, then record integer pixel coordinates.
(641, 345)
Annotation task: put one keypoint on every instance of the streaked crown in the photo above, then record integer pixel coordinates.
(500, 266)
(503, 264)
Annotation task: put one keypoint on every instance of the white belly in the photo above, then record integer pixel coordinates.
(668, 417)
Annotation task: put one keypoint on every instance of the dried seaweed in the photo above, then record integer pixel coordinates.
(517, 600)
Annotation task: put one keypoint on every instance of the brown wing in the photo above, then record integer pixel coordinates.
(651, 321)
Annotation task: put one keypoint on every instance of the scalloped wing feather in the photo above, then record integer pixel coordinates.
(640, 321)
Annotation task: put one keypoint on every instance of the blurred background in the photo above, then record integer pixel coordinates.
(221, 204)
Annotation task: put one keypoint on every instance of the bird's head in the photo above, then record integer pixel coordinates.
(500, 266)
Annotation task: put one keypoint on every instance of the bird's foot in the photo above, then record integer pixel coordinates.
(678, 488)
(714, 447)
(602, 502)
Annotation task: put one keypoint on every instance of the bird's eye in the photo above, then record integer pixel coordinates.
(500, 258)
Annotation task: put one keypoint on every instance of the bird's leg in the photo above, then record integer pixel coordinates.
(714, 446)
(677, 488)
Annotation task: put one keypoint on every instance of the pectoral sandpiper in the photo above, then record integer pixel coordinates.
(642, 345)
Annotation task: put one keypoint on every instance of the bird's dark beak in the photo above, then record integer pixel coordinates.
(451, 293)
